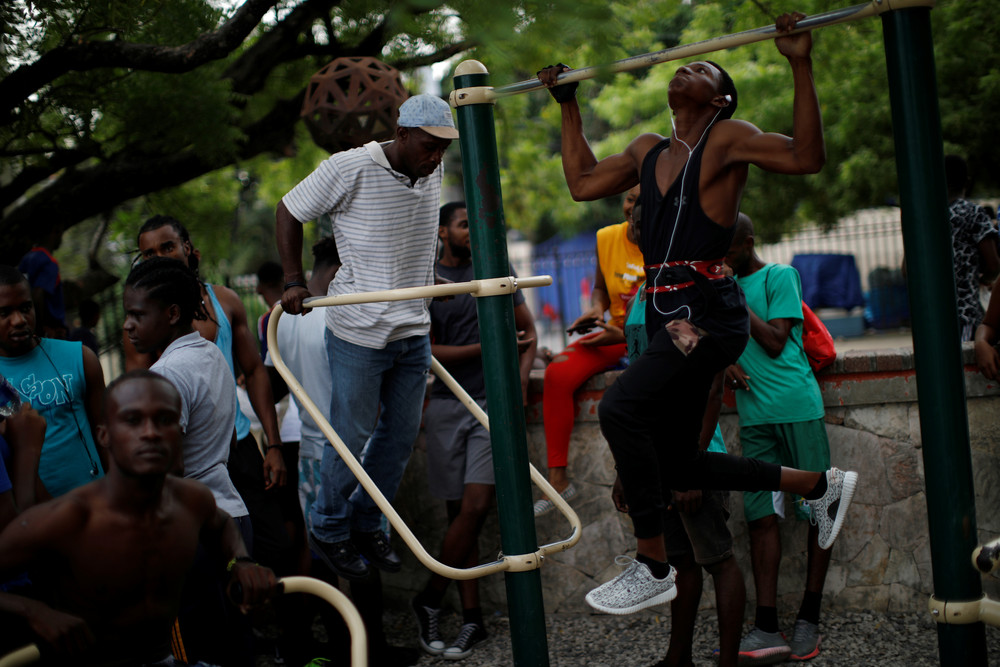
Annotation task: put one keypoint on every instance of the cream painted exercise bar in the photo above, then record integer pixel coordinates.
(477, 288)
(356, 628)
(833, 17)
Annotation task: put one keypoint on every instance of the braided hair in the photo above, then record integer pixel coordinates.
(170, 282)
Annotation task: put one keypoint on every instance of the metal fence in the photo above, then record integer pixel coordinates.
(872, 237)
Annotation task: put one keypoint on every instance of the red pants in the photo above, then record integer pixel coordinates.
(562, 379)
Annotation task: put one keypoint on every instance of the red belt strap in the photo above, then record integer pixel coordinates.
(710, 268)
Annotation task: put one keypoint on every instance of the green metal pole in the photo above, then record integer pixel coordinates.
(481, 172)
(944, 426)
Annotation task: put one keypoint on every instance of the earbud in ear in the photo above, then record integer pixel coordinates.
(728, 98)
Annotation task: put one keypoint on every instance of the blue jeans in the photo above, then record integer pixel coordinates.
(364, 379)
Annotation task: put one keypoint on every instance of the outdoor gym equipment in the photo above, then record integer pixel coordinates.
(937, 351)
(359, 638)
(479, 288)
(927, 242)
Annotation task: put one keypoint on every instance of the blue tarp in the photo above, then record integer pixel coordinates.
(829, 280)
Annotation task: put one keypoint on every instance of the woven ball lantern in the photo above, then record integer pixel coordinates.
(353, 101)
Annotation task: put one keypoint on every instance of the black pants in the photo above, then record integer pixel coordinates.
(652, 416)
(271, 544)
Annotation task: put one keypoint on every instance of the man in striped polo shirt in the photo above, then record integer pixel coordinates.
(383, 200)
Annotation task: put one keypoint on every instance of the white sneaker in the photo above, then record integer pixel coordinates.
(829, 512)
(634, 589)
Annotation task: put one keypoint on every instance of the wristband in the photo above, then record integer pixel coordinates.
(239, 559)
(294, 283)
(270, 447)
(564, 92)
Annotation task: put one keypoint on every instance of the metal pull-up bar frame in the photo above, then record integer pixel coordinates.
(826, 19)
(30, 654)
(479, 288)
(926, 236)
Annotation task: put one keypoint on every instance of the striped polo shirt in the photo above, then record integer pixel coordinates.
(386, 233)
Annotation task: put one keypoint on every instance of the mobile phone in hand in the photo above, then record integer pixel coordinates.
(584, 327)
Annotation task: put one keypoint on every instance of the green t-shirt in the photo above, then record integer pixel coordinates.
(635, 338)
(783, 390)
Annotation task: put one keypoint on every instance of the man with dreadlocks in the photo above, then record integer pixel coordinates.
(162, 299)
(696, 318)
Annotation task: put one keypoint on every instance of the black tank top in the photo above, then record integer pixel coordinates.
(717, 306)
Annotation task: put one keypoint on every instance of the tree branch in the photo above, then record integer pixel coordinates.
(250, 71)
(86, 55)
(441, 54)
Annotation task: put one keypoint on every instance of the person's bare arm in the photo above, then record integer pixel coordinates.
(93, 376)
(257, 583)
(28, 540)
(288, 237)
(805, 151)
(587, 177)
(527, 345)
(987, 357)
(258, 385)
(26, 434)
(454, 354)
(600, 302)
(989, 261)
(772, 334)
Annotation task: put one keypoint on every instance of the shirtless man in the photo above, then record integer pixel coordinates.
(696, 318)
(114, 553)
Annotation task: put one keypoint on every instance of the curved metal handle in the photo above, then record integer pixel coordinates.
(359, 637)
(340, 602)
(25, 655)
(536, 477)
(478, 288)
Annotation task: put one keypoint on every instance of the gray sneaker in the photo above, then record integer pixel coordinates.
(805, 640)
(829, 512)
(544, 506)
(763, 648)
(634, 589)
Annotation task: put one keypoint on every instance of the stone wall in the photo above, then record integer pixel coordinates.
(881, 560)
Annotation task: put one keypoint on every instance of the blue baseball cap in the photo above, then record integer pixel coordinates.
(430, 113)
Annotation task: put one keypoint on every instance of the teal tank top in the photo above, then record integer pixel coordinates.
(51, 378)
(224, 341)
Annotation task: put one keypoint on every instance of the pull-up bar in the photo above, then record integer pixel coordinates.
(479, 288)
(919, 158)
(833, 17)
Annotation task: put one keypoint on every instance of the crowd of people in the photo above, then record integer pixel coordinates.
(143, 523)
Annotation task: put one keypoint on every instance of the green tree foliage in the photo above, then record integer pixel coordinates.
(119, 109)
(125, 108)
(850, 74)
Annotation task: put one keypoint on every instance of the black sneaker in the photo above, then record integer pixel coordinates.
(427, 627)
(341, 557)
(470, 635)
(376, 549)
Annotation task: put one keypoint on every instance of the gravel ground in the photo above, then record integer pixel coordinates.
(854, 638)
(858, 639)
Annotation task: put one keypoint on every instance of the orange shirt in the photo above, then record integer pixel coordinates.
(620, 262)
